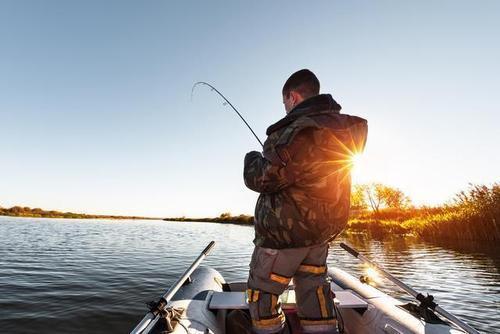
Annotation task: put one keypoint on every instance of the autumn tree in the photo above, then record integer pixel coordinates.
(381, 195)
(395, 198)
(358, 197)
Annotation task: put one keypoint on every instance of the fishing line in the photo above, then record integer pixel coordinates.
(225, 103)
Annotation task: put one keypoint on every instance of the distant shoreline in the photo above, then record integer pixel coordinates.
(237, 220)
(27, 212)
(473, 217)
(419, 223)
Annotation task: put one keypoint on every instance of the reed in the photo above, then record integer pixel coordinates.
(473, 215)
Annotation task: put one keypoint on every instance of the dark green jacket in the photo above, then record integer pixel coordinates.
(303, 176)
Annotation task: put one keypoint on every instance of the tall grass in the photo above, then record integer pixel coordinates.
(473, 215)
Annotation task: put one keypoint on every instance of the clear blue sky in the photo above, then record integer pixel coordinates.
(96, 114)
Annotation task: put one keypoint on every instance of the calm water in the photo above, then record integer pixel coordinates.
(81, 276)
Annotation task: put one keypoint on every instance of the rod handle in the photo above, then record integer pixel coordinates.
(349, 249)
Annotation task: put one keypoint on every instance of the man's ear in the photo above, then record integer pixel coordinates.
(297, 98)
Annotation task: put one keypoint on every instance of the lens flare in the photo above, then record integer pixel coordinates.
(372, 273)
(371, 276)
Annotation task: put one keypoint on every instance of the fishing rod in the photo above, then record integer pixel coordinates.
(154, 315)
(226, 103)
(427, 302)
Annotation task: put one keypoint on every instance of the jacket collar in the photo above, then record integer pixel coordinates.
(311, 106)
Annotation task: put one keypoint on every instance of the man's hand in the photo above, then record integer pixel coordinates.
(252, 155)
(261, 175)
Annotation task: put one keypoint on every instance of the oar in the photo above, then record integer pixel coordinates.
(152, 317)
(426, 301)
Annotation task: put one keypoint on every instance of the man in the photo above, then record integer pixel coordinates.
(303, 177)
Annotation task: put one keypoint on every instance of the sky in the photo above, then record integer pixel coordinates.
(96, 114)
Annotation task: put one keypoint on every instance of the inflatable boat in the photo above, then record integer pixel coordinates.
(201, 301)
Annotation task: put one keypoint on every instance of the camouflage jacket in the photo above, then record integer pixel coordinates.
(303, 175)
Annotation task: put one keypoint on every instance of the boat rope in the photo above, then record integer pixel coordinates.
(226, 102)
(172, 317)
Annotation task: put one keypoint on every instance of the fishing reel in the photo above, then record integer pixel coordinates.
(426, 301)
(424, 310)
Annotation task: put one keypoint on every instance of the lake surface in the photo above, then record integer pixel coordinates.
(82, 276)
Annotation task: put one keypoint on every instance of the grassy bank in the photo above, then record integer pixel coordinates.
(474, 215)
(223, 218)
(19, 211)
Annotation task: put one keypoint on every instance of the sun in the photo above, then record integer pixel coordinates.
(357, 163)
(356, 159)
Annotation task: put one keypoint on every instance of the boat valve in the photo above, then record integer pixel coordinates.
(365, 279)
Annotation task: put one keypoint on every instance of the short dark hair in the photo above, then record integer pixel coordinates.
(304, 82)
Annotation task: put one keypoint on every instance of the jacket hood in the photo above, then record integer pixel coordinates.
(314, 105)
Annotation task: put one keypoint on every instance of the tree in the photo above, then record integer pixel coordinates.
(16, 210)
(394, 198)
(379, 194)
(358, 197)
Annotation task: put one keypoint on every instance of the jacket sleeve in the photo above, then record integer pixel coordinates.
(262, 175)
(276, 171)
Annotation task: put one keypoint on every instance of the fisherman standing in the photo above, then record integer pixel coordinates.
(303, 177)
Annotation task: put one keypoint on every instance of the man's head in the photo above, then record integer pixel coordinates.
(300, 86)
